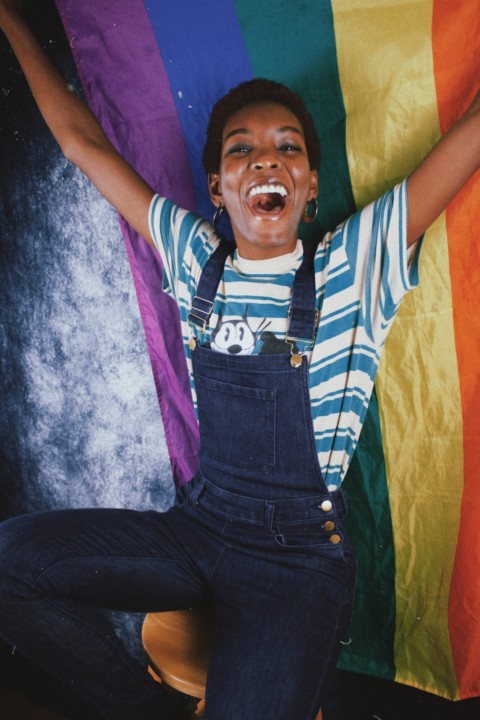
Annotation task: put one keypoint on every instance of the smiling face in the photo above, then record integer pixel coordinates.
(265, 180)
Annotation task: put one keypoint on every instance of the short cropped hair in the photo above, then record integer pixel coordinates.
(253, 92)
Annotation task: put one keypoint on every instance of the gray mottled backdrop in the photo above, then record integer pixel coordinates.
(79, 424)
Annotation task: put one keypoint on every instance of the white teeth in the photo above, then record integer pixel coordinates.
(262, 189)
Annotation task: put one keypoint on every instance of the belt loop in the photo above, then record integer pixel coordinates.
(269, 513)
(197, 491)
(340, 503)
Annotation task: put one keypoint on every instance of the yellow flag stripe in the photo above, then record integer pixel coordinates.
(386, 73)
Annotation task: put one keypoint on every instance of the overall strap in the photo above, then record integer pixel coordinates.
(202, 304)
(303, 313)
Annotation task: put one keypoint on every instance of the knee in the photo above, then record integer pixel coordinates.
(18, 548)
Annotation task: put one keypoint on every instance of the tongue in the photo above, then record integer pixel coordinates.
(266, 202)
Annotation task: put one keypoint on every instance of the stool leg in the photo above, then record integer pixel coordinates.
(200, 709)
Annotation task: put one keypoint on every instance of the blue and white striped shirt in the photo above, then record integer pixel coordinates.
(362, 271)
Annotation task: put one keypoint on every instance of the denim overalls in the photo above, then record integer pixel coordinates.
(259, 470)
(256, 532)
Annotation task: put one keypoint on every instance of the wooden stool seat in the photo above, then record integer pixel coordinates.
(178, 646)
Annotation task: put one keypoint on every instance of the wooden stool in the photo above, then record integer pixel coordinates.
(178, 646)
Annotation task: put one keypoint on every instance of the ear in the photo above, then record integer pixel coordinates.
(313, 184)
(215, 189)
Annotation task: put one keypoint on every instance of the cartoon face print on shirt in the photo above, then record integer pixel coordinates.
(236, 336)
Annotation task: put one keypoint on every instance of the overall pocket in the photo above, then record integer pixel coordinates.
(237, 425)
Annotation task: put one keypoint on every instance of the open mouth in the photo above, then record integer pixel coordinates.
(267, 199)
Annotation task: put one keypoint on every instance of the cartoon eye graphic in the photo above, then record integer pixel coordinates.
(236, 337)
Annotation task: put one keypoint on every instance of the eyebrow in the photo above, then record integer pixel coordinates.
(246, 131)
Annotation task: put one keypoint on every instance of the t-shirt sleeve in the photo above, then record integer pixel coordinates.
(383, 269)
(184, 241)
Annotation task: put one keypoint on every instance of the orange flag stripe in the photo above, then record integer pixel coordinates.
(457, 72)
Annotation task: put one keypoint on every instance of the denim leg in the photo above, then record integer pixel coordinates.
(58, 569)
(280, 619)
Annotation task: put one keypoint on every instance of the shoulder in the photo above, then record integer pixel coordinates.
(382, 215)
(174, 227)
(185, 242)
(166, 217)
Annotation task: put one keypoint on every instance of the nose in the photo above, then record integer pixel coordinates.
(264, 159)
(263, 164)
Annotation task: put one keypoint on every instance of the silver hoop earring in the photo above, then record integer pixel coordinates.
(310, 211)
(217, 215)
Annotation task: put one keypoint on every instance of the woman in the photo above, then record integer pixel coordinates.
(282, 343)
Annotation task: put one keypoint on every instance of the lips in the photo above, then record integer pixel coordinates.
(267, 198)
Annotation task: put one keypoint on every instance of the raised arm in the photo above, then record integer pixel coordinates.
(448, 166)
(74, 126)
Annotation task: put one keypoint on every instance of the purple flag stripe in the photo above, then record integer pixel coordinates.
(127, 87)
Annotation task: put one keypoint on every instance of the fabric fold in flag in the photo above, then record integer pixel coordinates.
(383, 80)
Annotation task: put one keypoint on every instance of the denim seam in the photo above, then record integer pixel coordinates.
(219, 560)
(36, 598)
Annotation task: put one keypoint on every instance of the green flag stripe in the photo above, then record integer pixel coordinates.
(305, 59)
(372, 630)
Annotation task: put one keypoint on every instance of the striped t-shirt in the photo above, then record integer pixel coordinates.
(362, 271)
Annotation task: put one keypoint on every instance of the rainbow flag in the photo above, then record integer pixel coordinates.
(383, 80)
